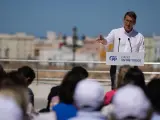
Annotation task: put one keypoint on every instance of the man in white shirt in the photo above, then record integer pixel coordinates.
(125, 39)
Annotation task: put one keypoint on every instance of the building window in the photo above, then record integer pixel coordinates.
(6, 52)
(36, 52)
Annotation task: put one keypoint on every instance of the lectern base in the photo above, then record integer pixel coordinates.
(113, 69)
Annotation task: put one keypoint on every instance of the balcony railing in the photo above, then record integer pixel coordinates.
(52, 73)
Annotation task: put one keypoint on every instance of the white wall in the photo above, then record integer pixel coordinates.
(19, 48)
(64, 55)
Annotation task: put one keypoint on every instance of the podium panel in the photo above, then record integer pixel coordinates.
(124, 58)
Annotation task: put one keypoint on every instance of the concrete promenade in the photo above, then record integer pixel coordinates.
(41, 92)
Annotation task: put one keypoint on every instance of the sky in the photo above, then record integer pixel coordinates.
(92, 17)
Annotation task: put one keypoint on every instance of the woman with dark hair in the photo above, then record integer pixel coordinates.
(82, 71)
(17, 78)
(29, 75)
(55, 90)
(65, 108)
(136, 77)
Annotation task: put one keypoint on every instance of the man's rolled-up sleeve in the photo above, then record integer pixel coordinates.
(110, 37)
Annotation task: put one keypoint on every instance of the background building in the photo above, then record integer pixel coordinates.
(157, 48)
(18, 46)
(23, 46)
(149, 49)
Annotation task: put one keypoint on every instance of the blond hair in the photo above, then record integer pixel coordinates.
(19, 94)
(121, 74)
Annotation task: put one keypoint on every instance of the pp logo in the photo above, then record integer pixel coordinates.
(113, 58)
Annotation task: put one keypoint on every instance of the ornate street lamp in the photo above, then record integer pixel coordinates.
(75, 38)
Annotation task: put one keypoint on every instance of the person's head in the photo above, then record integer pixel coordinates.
(14, 86)
(68, 85)
(13, 78)
(131, 103)
(129, 20)
(154, 93)
(121, 74)
(28, 73)
(136, 77)
(89, 95)
(82, 71)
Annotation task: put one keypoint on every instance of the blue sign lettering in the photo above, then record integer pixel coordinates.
(113, 58)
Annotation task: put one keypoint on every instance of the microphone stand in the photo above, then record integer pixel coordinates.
(130, 44)
(119, 43)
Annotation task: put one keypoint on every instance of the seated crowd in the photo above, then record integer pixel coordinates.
(79, 97)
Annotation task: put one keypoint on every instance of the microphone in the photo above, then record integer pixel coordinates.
(119, 43)
(130, 44)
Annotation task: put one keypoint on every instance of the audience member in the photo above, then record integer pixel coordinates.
(55, 90)
(53, 93)
(29, 76)
(88, 98)
(15, 78)
(65, 109)
(131, 103)
(16, 91)
(107, 109)
(136, 77)
(154, 96)
(122, 71)
(81, 71)
(80, 98)
(121, 74)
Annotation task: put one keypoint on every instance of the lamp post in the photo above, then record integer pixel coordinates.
(64, 39)
(75, 37)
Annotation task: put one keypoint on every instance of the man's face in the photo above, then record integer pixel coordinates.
(129, 22)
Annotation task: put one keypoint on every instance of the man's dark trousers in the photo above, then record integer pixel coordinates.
(113, 69)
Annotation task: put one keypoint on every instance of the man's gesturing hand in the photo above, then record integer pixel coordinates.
(101, 40)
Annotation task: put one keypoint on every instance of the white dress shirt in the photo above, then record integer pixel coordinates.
(129, 42)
